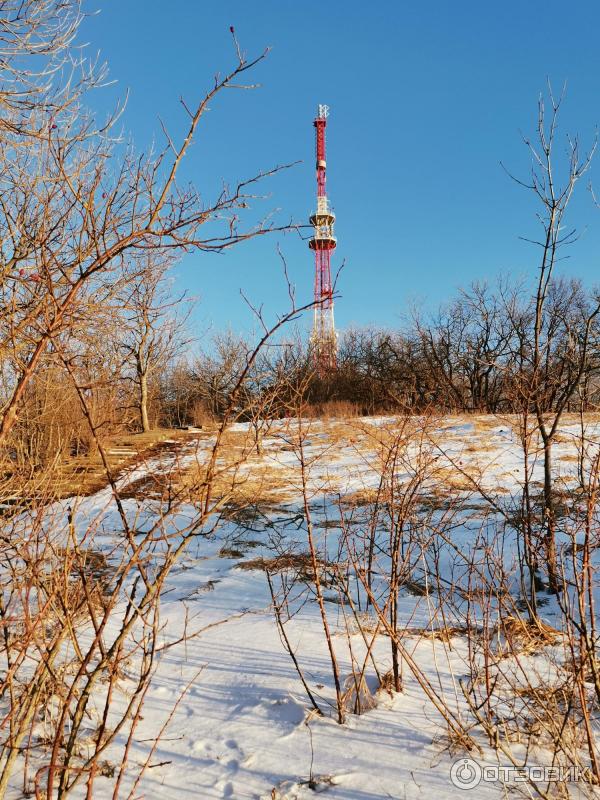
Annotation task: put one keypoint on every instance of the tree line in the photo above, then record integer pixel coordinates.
(140, 368)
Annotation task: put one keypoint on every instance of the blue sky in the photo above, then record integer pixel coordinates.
(426, 99)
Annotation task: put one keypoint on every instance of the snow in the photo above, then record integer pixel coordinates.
(243, 727)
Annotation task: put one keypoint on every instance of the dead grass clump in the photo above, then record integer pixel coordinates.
(343, 433)
(333, 409)
(487, 423)
(455, 493)
(526, 637)
(263, 487)
(248, 516)
(474, 447)
(363, 497)
(416, 588)
(234, 439)
(81, 597)
(278, 563)
(387, 684)
(230, 552)
(569, 458)
(454, 480)
(562, 438)
(444, 634)
(437, 501)
(327, 524)
(550, 713)
(357, 697)
(298, 562)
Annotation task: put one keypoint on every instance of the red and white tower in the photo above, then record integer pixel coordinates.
(323, 242)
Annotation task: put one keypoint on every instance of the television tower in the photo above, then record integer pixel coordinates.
(323, 339)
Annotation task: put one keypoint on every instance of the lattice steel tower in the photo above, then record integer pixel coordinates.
(323, 242)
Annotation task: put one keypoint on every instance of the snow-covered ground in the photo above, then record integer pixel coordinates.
(242, 725)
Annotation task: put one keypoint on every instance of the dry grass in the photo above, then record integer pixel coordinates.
(386, 684)
(526, 637)
(363, 497)
(84, 475)
(474, 447)
(344, 432)
(449, 478)
(242, 478)
(563, 438)
(569, 458)
(298, 562)
(486, 423)
(357, 698)
(332, 409)
(261, 486)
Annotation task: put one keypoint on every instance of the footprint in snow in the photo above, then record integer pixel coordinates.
(200, 746)
(227, 788)
(224, 751)
(285, 713)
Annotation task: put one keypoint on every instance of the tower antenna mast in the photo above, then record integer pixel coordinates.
(323, 242)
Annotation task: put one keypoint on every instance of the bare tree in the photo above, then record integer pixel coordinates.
(548, 376)
(153, 327)
(75, 202)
